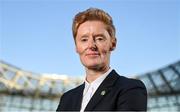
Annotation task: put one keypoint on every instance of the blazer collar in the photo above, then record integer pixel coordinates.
(102, 90)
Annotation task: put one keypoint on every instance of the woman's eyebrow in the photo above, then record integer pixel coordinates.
(84, 36)
(101, 35)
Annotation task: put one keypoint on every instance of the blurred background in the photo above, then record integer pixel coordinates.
(38, 62)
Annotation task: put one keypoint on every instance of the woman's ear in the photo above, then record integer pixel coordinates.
(113, 43)
(76, 46)
(76, 49)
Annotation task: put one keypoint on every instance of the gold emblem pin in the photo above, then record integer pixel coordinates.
(103, 93)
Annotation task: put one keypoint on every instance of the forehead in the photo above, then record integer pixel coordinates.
(91, 27)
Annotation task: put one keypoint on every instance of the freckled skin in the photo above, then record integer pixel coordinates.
(94, 45)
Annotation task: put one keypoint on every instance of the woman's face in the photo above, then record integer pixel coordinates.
(94, 44)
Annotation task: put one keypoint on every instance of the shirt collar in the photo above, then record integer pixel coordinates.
(95, 84)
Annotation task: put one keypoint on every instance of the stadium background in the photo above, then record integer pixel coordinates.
(38, 61)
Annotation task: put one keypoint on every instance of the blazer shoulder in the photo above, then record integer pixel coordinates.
(71, 100)
(74, 90)
(132, 95)
(129, 83)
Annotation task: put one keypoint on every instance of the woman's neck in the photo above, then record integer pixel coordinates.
(93, 74)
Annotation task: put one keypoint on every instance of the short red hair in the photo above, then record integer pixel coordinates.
(93, 14)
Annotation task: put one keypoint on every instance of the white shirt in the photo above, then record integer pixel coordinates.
(90, 89)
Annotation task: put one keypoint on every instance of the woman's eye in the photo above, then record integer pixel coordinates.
(99, 39)
(84, 40)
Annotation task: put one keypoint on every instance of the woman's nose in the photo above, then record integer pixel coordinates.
(92, 44)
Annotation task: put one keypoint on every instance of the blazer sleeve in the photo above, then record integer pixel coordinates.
(133, 99)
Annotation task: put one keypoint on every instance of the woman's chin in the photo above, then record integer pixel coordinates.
(93, 66)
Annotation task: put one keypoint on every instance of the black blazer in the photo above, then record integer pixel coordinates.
(119, 93)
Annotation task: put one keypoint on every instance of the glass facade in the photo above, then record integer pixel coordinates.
(17, 103)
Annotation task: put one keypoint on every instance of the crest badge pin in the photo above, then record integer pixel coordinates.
(103, 92)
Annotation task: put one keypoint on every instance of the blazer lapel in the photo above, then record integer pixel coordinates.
(102, 90)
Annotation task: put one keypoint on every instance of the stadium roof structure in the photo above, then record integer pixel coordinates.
(164, 81)
(14, 80)
(163, 87)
